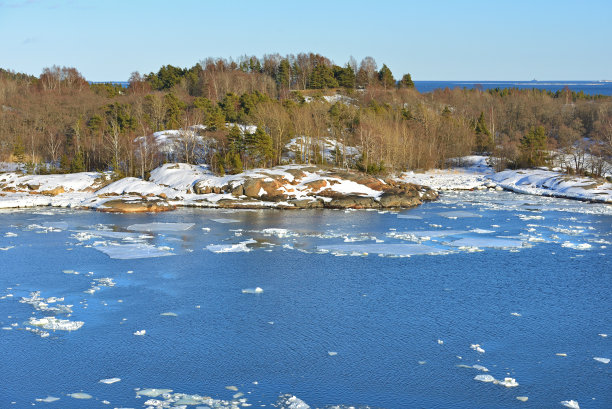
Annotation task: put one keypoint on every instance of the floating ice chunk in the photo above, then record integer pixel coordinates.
(487, 242)
(132, 251)
(484, 378)
(168, 314)
(10, 234)
(80, 395)
(402, 250)
(508, 382)
(54, 324)
(482, 231)
(140, 332)
(223, 221)
(561, 354)
(231, 248)
(7, 248)
(522, 398)
(458, 213)
(516, 314)
(152, 392)
(238, 395)
(231, 388)
(291, 402)
(256, 290)
(572, 404)
(477, 348)
(530, 217)
(603, 335)
(581, 246)
(440, 342)
(409, 216)
(332, 353)
(480, 368)
(109, 380)
(163, 227)
(48, 399)
(602, 360)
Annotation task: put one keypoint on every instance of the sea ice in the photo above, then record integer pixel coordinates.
(140, 332)
(291, 402)
(132, 251)
(80, 395)
(161, 227)
(581, 246)
(487, 242)
(53, 323)
(48, 399)
(256, 290)
(522, 398)
(572, 404)
(10, 234)
(168, 314)
(404, 250)
(477, 348)
(516, 314)
(109, 380)
(484, 378)
(602, 360)
(332, 353)
(480, 368)
(458, 214)
(152, 392)
(440, 342)
(225, 220)
(231, 248)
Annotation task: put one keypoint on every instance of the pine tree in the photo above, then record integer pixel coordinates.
(386, 77)
(484, 139)
(533, 147)
(406, 82)
(283, 78)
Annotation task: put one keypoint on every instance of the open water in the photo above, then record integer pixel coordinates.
(588, 87)
(494, 279)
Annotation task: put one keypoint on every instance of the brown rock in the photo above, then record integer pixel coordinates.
(53, 192)
(352, 202)
(136, 206)
(317, 185)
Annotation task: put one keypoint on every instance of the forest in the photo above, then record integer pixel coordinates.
(59, 122)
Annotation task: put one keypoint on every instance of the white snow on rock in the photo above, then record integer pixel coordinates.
(548, 183)
(135, 186)
(179, 176)
(302, 147)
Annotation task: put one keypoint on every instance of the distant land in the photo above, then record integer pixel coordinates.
(598, 87)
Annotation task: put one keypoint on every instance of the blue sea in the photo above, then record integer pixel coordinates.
(588, 87)
(310, 309)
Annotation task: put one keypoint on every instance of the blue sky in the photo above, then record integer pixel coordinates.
(432, 40)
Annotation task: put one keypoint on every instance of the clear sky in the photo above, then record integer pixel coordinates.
(432, 40)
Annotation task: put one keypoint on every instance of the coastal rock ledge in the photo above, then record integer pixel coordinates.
(180, 184)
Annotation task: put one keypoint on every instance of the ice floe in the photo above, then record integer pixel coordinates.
(522, 398)
(477, 348)
(291, 402)
(400, 250)
(572, 404)
(161, 227)
(602, 360)
(109, 380)
(477, 242)
(231, 248)
(54, 324)
(48, 399)
(80, 395)
(140, 332)
(256, 290)
(507, 382)
(131, 250)
(575, 246)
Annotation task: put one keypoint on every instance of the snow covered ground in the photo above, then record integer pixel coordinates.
(194, 185)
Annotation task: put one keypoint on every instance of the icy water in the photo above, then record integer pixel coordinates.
(588, 87)
(257, 305)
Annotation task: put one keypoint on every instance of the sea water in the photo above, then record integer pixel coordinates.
(311, 307)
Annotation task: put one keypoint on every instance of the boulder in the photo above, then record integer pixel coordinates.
(53, 192)
(136, 206)
(352, 202)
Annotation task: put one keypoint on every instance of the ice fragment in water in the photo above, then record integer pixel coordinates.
(477, 348)
(581, 246)
(80, 395)
(332, 353)
(603, 335)
(561, 354)
(231, 388)
(440, 342)
(109, 380)
(602, 360)
(382, 249)
(484, 378)
(522, 398)
(480, 368)
(256, 290)
(140, 332)
(291, 402)
(152, 392)
(508, 382)
(458, 213)
(487, 242)
(132, 251)
(161, 227)
(572, 404)
(168, 314)
(48, 399)
(231, 248)
(516, 314)
(53, 323)
(223, 221)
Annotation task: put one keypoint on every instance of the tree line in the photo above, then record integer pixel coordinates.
(60, 120)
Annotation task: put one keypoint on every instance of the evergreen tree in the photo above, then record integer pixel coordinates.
(77, 164)
(533, 147)
(174, 111)
(406, 82)
(283, 78)
(386, 77)
(344, 76)
(322, 77)
(484, 139)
